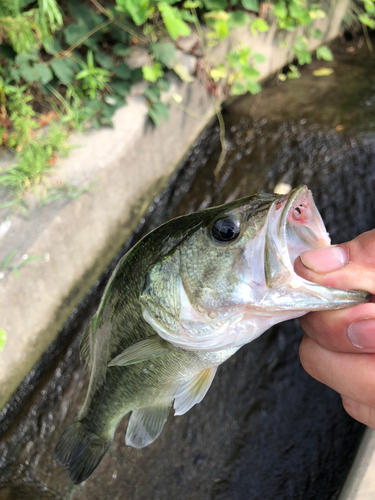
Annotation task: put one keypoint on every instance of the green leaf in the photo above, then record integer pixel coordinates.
(280, 10)
(152, 93)
(253, 87)
(323, 72)
(120, 87)
(43, 72)
(221, 28)
(259, 25)
(164, 52)
(317, 14)
(366, 20)
(239, 56)
(369, 6)
(238, 19)
(293, 74)
(249, 72)
(75, 32)
(39, 72)
(317, 34)
(218, 73)
(252, 5)
(24, 59)
(123, 71)
(104, 61)
(3, 338)
(217, 14)
(121, 50)
(300, 50)
(62, 71)
(187, 16)
(7, 259)
(192, 4)
(296, 10)
(75, 62)
(157, 111)
(163, 84)
(152, 73)
(85, 16)
(238, 89)
(173, 21)
(323, 52)
(137, 9)
(215, 4)
(53, 47)
(259, 58)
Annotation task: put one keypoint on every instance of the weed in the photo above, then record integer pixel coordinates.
(3, 338)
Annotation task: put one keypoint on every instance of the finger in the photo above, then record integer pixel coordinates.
(345, 330)
(363, 413)
(350, 265)
(352, 375)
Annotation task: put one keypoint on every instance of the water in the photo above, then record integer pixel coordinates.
(265, 430)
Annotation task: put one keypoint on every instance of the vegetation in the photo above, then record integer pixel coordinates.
(62, 66)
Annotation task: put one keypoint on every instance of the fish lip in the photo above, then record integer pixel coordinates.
(289, 200)
(304, 195)
(282, 248)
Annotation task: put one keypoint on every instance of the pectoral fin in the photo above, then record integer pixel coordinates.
(145, 425)
(150, 348)
(192, 392)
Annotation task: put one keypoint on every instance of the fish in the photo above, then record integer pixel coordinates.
(182, 301)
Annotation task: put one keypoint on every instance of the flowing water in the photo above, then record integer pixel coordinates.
(265, 430)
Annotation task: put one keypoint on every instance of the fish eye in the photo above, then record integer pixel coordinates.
(226, 230)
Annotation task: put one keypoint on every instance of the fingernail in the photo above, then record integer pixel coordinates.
(362, 334)
(325, 259)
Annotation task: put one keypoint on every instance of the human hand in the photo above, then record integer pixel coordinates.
(339, 346)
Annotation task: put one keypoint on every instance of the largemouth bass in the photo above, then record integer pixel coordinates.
(181, 302)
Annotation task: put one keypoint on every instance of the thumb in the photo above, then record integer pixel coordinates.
(350, 265)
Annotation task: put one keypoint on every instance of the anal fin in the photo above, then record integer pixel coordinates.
(150, 348)
(145, 425)
(192, 392)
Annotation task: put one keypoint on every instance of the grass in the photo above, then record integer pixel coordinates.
(33, 161)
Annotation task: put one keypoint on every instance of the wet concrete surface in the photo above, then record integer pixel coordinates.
(265, 430)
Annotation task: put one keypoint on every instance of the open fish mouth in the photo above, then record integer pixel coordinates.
(301, 226)
(294, 226)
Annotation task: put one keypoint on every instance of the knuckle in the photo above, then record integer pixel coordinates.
(363, 246)
(362, 413)
(306, 354)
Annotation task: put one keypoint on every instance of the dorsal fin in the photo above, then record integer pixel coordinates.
(85, 346)
(153, 347)
(145, 425)
(192, 392)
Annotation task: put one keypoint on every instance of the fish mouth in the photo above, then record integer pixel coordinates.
(300, 226)
(294, 226)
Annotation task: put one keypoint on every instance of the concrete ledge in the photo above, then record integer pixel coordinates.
(130, 164)
(360, 484)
